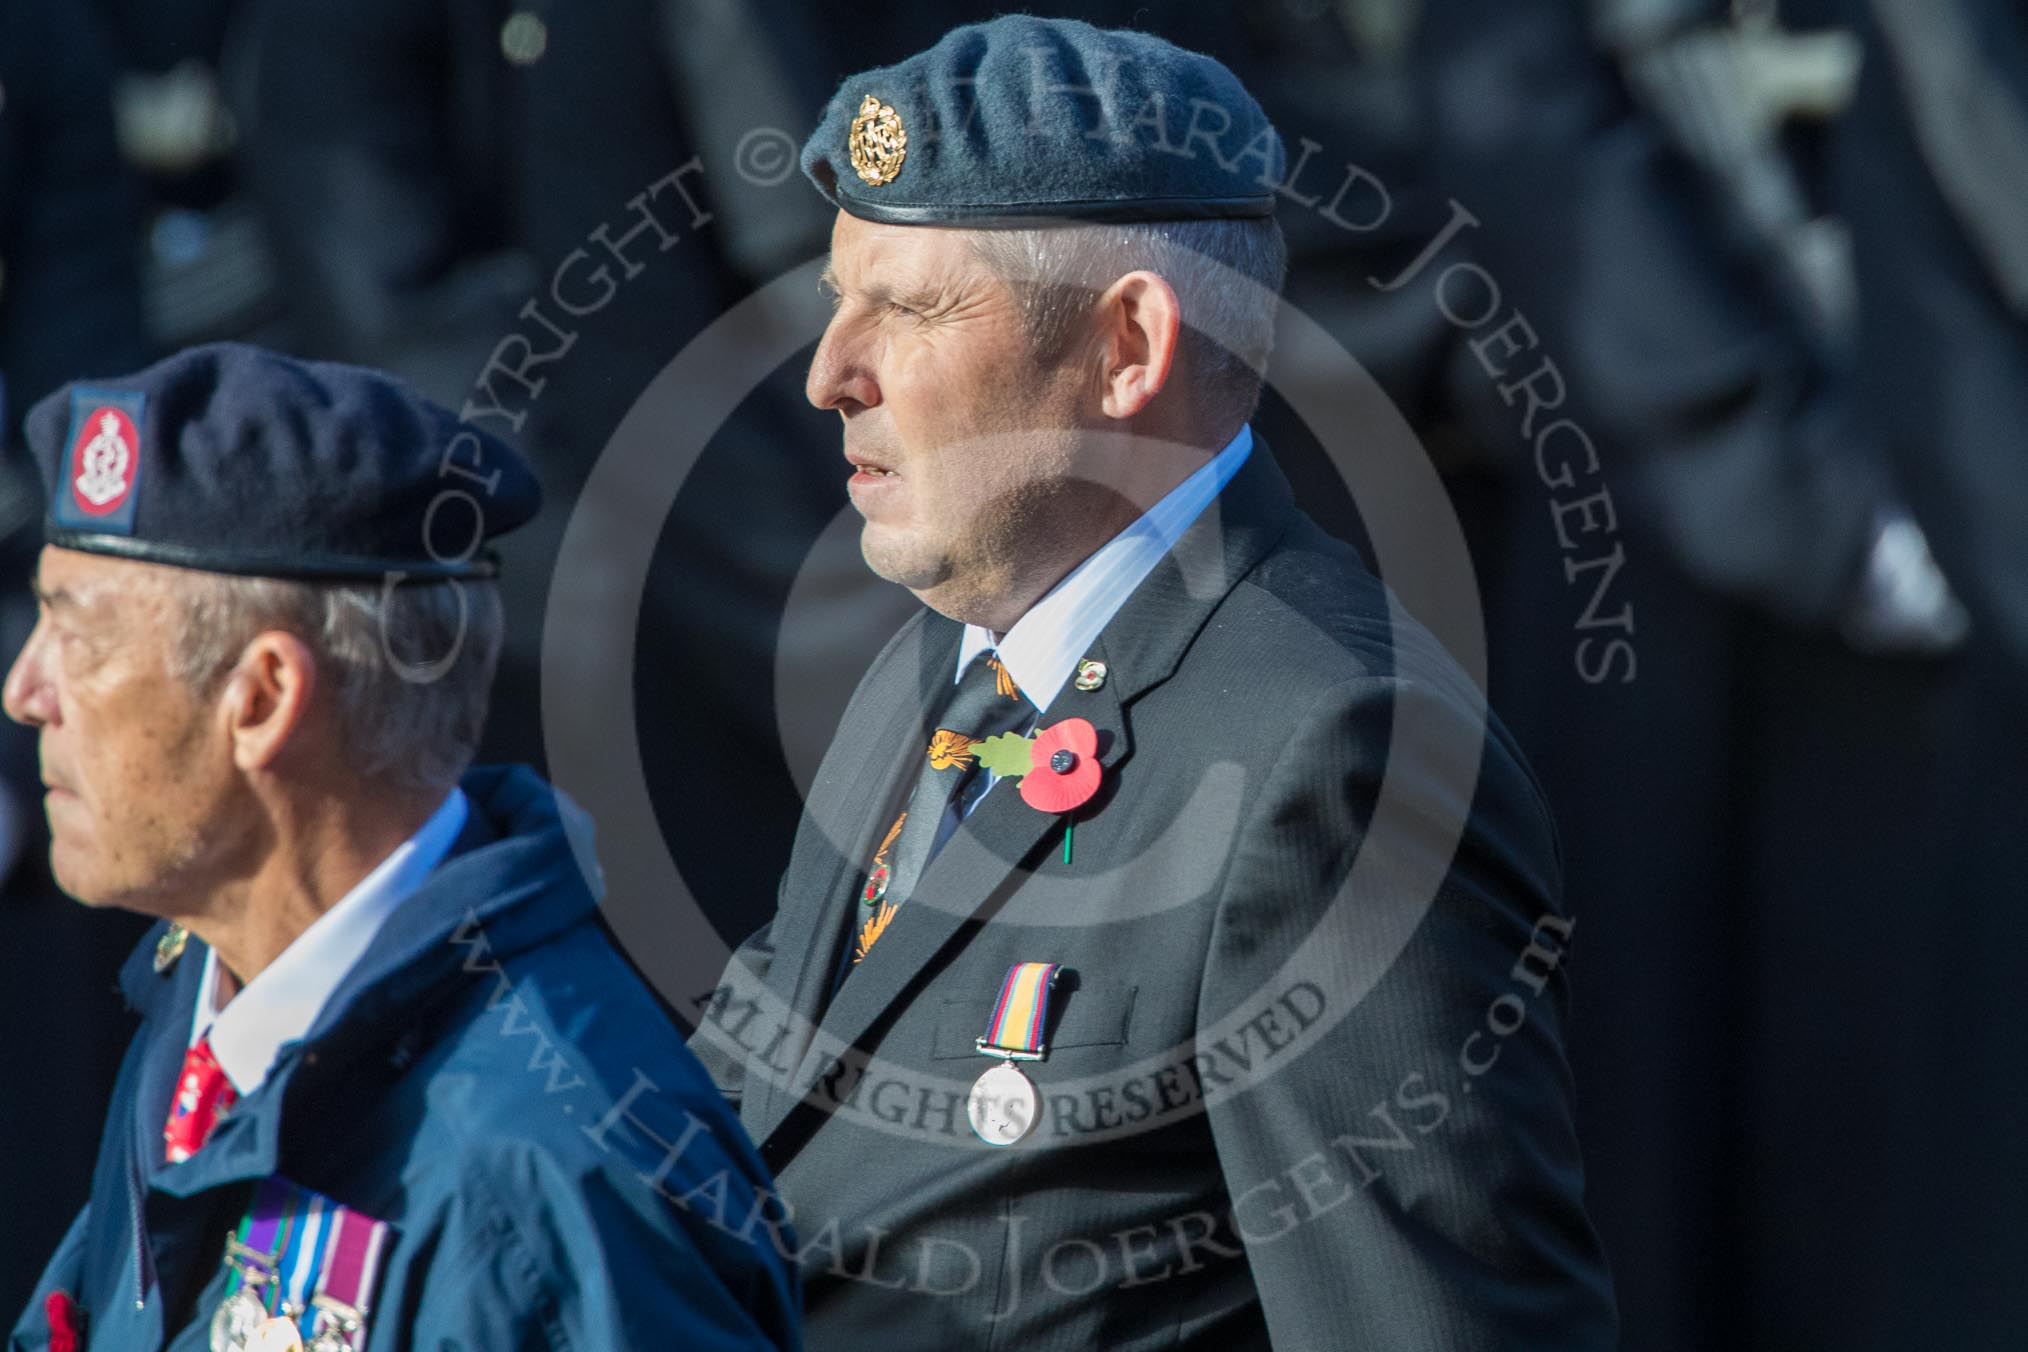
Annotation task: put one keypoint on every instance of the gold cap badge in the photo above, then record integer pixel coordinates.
(878, 142)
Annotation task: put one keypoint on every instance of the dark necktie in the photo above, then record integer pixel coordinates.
(985, 704)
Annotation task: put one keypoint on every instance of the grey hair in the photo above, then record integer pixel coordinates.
(411, 666)
(1228, 325)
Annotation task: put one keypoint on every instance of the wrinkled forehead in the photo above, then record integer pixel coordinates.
(869, 254)
(92, 584)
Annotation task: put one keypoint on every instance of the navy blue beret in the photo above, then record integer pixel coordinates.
(238, 460)
(1022, 119)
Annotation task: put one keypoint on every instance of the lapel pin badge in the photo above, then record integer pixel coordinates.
(169, 948)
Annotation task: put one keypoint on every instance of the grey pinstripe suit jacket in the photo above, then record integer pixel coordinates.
(1305, 1085)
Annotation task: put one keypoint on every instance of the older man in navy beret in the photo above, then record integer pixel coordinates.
(380, 1096)
(1171, 951)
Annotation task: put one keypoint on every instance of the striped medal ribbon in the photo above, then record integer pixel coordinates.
(345, 1287)
(271, 1259)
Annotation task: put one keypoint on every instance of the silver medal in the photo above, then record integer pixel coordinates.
(337, 1327)
(278, 1334)
(1003, 1105)
(238, 1316)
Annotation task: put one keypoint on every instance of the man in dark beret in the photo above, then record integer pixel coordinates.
(1171, 952)
(379, 1096)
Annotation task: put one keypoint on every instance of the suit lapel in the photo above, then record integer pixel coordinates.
(1148, 637)
(1000, 842)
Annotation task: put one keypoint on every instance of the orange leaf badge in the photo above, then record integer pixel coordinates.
(948, 748)
(1003, 680)
(875, 926)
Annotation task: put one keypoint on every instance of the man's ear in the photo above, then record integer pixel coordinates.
(267, 697)
(1139, 322)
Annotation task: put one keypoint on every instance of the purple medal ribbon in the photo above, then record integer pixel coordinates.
(260, 1236)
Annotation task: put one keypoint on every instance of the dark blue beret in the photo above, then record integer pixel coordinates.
(1022, 119)
(238, 460)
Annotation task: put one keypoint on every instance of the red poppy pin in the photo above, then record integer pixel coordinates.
(66, 1322)
(1058, 767)
(1063, 767)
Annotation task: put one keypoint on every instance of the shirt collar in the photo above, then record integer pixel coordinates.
(1044, 646)
(279, 1005)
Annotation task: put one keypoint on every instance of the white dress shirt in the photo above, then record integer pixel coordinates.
(1043, 648)
(281, 1003)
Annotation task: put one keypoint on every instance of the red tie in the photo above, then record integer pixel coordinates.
(202, 1096)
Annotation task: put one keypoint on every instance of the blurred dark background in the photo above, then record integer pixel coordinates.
(1766, 649)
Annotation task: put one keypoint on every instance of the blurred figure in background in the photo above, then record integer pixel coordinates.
(68, 205)
(504, 203)
(1900, 1183)
(1933, 175)
(1735, 799)
(208, 267)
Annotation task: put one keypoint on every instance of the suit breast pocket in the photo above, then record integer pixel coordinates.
(1080, 1015)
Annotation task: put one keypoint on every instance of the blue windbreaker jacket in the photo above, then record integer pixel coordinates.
(495, 1082)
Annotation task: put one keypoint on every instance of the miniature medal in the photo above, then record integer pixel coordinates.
(239, 1314)
(276, 1335)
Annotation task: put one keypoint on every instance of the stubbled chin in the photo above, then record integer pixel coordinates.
(881, 546)
(895, 555)
(65, 871)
